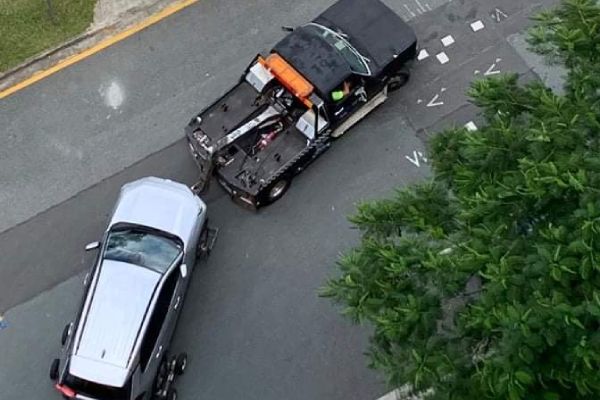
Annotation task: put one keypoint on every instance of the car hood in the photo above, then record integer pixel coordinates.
(161, 204)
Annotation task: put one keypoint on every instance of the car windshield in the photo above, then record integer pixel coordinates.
(143, 248)
(354, 59)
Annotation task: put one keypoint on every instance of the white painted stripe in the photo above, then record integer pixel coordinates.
(447, 40)
(477, 25)
(471, 127)
(423, 54)
(393, 395)
(420, 6)
(409, 10)
(442, 58)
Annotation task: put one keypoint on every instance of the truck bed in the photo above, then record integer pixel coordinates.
(236, 106)
(287, 145)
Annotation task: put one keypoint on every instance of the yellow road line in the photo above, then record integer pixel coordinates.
(172, 9)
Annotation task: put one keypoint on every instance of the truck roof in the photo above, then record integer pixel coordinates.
(376, 31)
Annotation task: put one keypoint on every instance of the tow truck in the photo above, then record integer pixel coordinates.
(288, 106)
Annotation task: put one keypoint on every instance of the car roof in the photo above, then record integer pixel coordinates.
(161, 204)
(109, 331)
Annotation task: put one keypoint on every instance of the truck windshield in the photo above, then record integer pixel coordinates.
(139, 247)
(97, 391)
(355, 60)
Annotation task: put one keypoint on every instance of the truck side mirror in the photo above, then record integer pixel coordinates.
(287, 28)
(92, 246)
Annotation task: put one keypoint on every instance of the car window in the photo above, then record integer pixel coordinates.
(157, 319)
(142, 248)
(354, 59)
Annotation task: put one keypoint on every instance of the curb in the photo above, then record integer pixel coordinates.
(37, 58)
(95, 34)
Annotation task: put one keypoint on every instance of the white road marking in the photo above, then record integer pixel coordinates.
(427, 6)
(423, 54)
(415, 161)
(442, 58)
(499, 15)
(470, 126)
(412, 14)
(477, 25)
(434, 103)
(420, 6)
(113, 95)
(490, 70)
(447, 40)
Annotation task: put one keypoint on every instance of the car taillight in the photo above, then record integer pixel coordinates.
(67, 391)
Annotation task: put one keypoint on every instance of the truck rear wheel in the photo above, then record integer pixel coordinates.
(277, 190)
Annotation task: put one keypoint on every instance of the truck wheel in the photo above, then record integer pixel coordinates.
(278, 190)
(172, 394)
(180, 363)
(54, 369)
(65, 334)
(398, 80)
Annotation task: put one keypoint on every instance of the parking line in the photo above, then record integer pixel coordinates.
(167, 11)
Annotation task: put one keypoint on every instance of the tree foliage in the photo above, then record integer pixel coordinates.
(484, 282)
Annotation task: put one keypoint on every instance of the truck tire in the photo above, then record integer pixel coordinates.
(398, 80)
(172, 394)
(277, 190)
(181, 363)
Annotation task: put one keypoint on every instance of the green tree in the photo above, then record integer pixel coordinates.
(484, 282)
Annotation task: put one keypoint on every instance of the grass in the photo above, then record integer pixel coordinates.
(27, 27)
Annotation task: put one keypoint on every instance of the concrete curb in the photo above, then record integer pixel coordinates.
(92, 36)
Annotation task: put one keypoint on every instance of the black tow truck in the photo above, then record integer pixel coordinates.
(287, 107)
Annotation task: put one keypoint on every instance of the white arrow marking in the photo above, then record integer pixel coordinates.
(415, 161)
(499, 13)
(490, 70)
(434, 103)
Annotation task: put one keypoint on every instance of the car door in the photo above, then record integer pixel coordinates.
(160, 327)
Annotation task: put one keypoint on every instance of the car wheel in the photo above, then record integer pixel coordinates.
(54, 369)
(202, 247)
(181, 363)
(172, 394)
(398, 80)
(278, 190)
(65, 334)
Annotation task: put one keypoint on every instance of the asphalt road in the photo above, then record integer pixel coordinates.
(252, 323)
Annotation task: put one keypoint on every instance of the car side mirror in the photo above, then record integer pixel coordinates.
(287, 28)
(183, 270)
(92, 246)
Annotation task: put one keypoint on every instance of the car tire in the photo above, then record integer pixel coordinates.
(171, 394)
(202, 247)
(181, 363)
(65, 334)
(398, 80)
(54, 369)
(277, 190)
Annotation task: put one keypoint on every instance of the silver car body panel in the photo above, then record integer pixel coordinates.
(121, 299)
(117, 306)
(161, 204)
